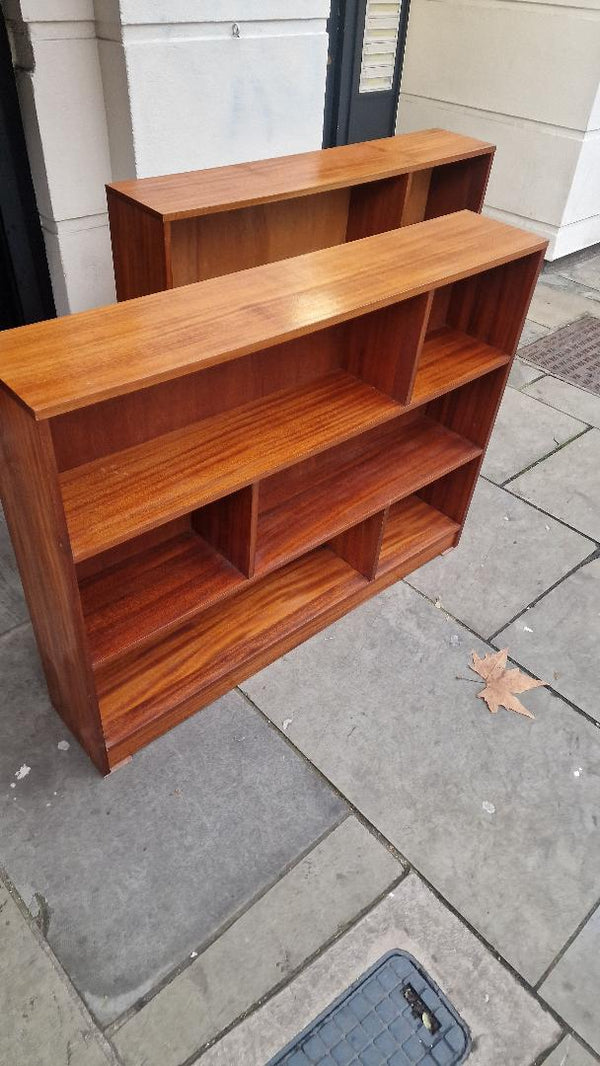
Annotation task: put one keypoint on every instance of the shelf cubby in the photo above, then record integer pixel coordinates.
(198, 480)
(176, 229)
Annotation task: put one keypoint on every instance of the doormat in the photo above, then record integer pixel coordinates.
(572, 353)
(394, 1015)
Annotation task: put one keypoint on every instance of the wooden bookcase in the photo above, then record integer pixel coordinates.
(180, 228)
(198, 480)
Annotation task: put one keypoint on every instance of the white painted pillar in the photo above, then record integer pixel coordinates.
(62, 104)
(524, 74)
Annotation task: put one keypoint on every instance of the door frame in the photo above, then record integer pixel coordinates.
(23, 266)
(345, 28)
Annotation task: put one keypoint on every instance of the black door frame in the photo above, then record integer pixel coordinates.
(26, 292)
(345, 28)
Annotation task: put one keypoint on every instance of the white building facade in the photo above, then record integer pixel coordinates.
(113, 89)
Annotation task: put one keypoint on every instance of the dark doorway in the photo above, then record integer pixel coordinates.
(366, 47)
(25, 291)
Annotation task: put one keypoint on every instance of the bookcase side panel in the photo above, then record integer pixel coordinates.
(140, 248)
(36, 521)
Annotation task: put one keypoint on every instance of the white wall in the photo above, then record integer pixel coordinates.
(524, 74)
(112, 89)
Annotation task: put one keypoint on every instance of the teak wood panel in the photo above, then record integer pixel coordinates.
(200, 192)
(78, 360)
(36, 521)
(211, 245)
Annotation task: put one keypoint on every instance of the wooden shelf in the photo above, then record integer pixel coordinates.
(411, 529)
(449, 359)
(112, 499)
(140, 689)
(152, 592)
(411, 457)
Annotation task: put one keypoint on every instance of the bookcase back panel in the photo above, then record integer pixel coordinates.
(107, 427)
(222, 243)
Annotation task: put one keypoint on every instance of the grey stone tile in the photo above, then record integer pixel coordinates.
(13, 609)
(507, 1025)
(582, 267)
(570, 1053)
(42, 1022)
(375, 703)
(568, 398)
(567, 484)
(557, 301)
(532, 331)
(137, 869)
(559, 638)
(342, 876)
(508, 547)
(522, 373)
(525, 431)
(572, 986)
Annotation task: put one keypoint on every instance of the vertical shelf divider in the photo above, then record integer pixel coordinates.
(384, 346)
(360, 545)
(230, 525)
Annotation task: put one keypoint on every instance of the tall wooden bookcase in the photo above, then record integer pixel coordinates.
(197, 480)
(180, 228)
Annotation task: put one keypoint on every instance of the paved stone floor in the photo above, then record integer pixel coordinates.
(203, 903)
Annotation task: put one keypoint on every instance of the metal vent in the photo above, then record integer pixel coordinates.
(380, 42)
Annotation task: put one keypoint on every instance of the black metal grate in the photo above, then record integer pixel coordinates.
(394, 1015)
(572, 353)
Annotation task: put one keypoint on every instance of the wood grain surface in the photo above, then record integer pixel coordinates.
(200, 192)
(80, 359)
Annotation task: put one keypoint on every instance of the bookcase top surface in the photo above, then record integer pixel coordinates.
(202, 192)
(70, 362)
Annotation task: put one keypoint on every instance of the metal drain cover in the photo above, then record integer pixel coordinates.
(571, 353)
(394, 1015)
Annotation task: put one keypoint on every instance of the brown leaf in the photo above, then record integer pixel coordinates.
(501, 684)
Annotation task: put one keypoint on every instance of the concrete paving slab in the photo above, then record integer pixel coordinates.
(327, 889)
(521, 374)
(572, 986)
(525, 431)
(13, 609)
(582, 267)
(557, 301)
(567, 484)
(508, 555)
(507, 1025)
(559, 638)
(568, 398)
(532, 331)
(42, 1021)
(134, 871)
(486, 806)
(570, 1053)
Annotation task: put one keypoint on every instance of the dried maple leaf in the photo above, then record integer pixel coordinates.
(501, 684)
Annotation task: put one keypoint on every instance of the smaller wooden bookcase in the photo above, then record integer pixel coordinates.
(198, 480)
(180, 228)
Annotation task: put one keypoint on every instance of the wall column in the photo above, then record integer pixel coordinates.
(524, 74)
